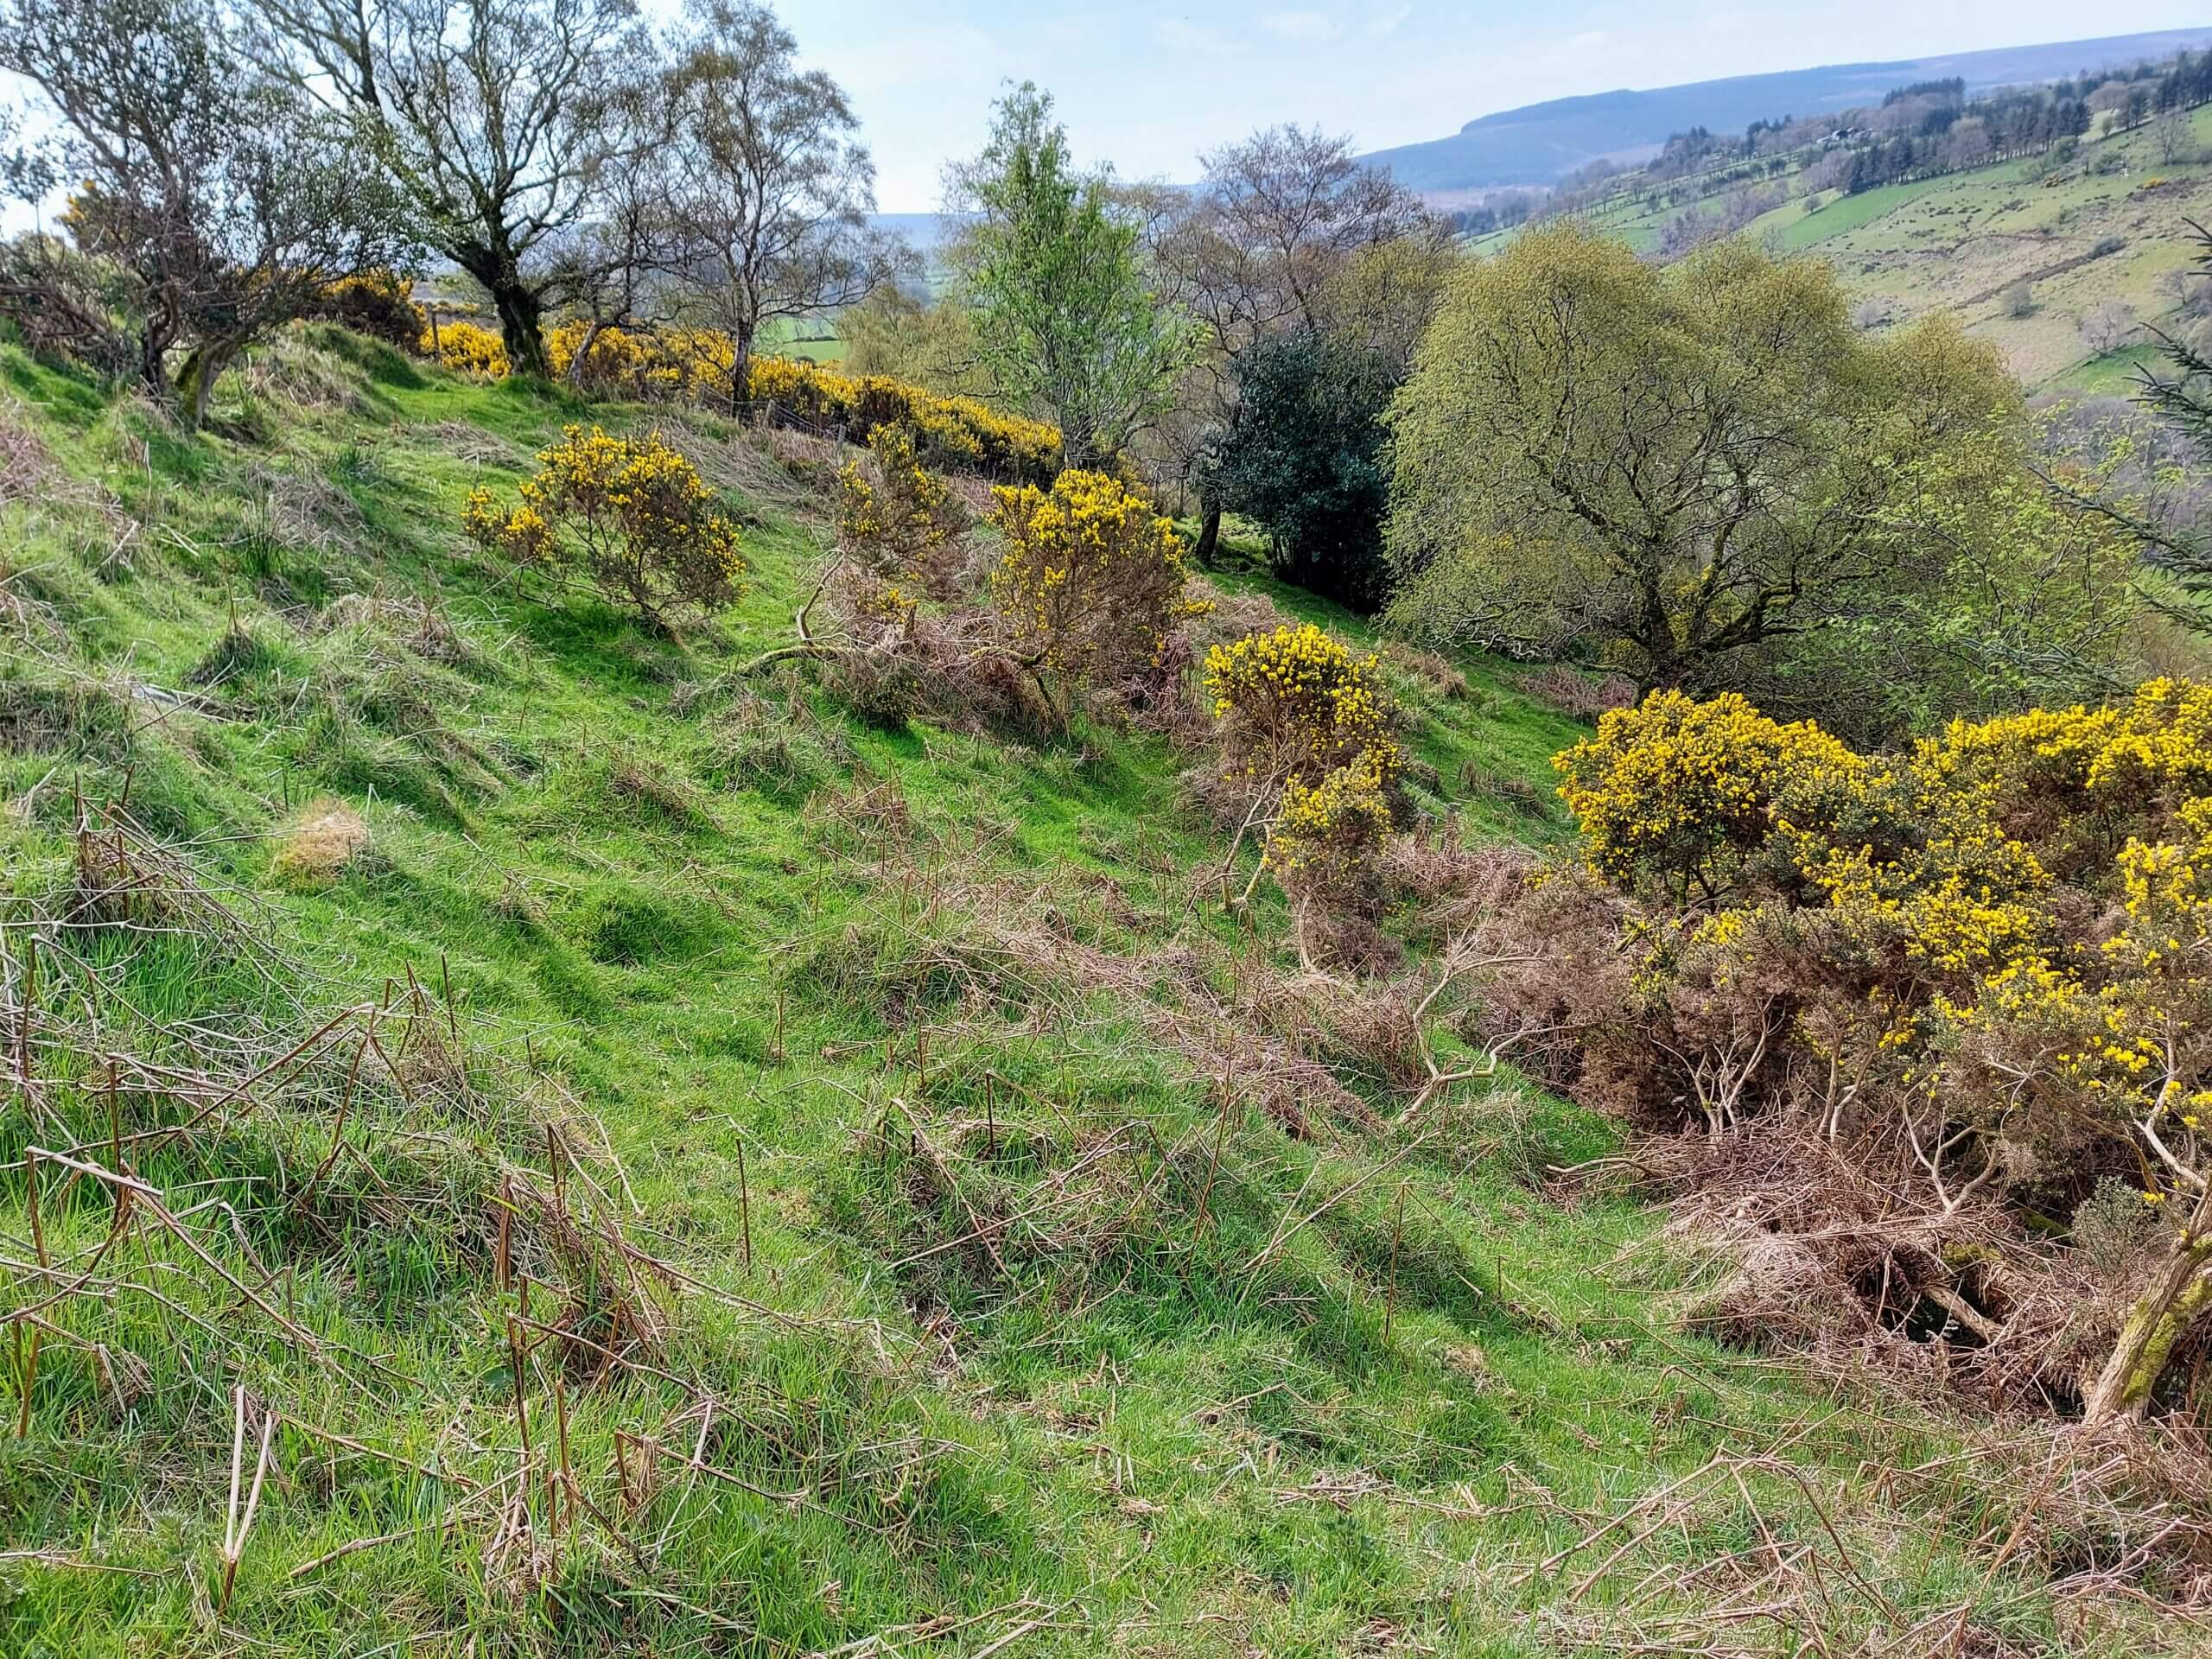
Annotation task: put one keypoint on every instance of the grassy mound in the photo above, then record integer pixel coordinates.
(519, 1142)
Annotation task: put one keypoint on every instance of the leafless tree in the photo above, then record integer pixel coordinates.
(496, 116)
(612, 270)
(218, 202)
(770, 188)
(1252, 252)
(2171, 134)
(2108, 326)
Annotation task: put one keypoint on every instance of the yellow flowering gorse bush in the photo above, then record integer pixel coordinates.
(1326, 838)
(1091, 585)
(959, 434)
(1297, 703)
(1985, 962)
(895, 519)
(632, 514)
(1305, 720)
(467, 348)
(1680, 792)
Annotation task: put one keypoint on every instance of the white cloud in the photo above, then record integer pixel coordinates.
(1386, 22)
(1306, 28)
(1181, 35)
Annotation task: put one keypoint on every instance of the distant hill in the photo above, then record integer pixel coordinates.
(927, 231)
(1539, 144)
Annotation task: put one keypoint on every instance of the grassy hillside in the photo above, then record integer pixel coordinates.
(669, 1166)
(1540, 143)
(1959, 243)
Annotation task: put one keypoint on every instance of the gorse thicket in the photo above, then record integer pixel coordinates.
(1992, 950)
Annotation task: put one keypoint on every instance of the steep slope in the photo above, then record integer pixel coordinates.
(523, 1139)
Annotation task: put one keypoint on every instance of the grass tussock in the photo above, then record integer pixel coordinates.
(329, 838)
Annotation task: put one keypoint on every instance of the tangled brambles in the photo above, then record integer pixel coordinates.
(633, 512)
(1091, 586)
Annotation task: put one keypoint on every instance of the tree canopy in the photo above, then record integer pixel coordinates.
(216, 201)
(1669, 470)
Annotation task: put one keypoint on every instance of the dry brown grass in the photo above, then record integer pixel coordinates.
(1577, 695)
(1436, 676)
(326, 839)
(27, 466)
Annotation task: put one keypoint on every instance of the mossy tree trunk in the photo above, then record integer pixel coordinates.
(2179, 1292)
(195, 379)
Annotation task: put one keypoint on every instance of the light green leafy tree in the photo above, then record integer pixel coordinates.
(1066, 318)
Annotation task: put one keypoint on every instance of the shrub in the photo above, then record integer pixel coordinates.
(1985, 964)
(1678, 793)
(1297, 703)
(467, 348)
(1091, 586)
(379, 304)
(2019, 300)
(1302, 455)
(895, 519)
(2106, 327)
(633, 514)
(958, 434)
(1325, 838)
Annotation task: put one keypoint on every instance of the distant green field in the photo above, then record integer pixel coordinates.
(1816, 219)
(1960, 243)
(814, 339)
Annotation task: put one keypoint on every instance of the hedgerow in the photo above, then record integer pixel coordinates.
(959, 434)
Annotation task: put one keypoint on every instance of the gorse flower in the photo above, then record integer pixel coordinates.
(1325, 838)
(2004, 937)
(956, 432)
(467, 348)
(1297, 703)
(1303, 718)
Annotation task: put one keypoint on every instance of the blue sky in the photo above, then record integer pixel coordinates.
(1150, 86)
(1156, 83)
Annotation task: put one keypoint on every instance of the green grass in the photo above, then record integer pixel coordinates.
(1250, 1366)
(1821, 218)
